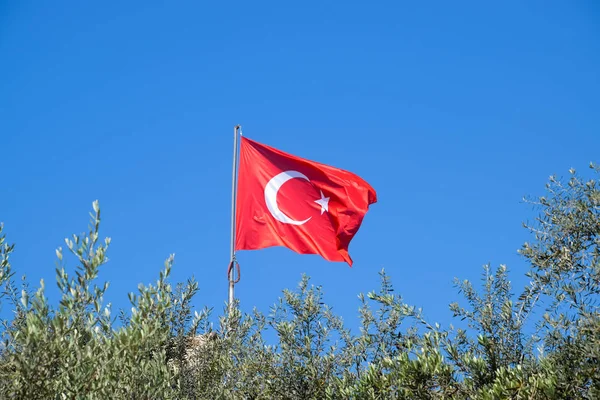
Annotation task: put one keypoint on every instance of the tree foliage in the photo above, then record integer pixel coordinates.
(542, 343)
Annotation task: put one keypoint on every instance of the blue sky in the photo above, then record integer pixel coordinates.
(451, 111)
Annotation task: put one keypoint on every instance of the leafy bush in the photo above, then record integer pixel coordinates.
(164, 349)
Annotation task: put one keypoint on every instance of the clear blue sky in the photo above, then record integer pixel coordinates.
(453, 111)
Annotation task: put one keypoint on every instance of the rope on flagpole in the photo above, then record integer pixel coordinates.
(235, 263)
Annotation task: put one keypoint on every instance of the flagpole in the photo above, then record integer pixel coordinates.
(232, 261)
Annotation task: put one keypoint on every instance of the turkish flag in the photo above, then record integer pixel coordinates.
(284, 200)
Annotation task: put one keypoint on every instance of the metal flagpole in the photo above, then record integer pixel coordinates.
(232, 261)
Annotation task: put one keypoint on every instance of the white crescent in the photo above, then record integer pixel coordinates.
(271, 190)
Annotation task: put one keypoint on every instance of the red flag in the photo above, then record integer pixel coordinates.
(284, 200)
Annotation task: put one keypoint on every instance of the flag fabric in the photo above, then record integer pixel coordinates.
(308, 207)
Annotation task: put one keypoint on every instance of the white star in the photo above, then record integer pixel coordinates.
(323, 202)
